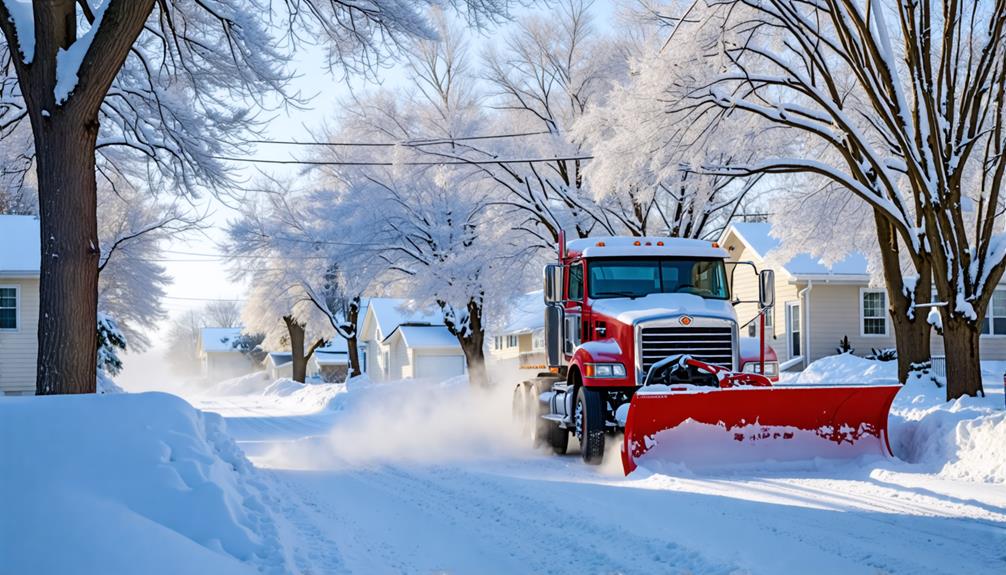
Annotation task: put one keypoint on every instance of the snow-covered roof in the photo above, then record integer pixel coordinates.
(600, 247)
(757, 237)
(331, 357)
(390, 313)
(526, 315)
(219, 339)
(426, 336)
(19, 236)
(280, 358)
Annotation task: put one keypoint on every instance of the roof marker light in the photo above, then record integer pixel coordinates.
(660, 244)
(600, 244)
(636, 243)
(649, 244)
(716, 245)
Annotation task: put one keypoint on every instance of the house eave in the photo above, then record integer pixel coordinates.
(19, 274)
(848, 279)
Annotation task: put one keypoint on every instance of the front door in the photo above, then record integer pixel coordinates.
(793, 329)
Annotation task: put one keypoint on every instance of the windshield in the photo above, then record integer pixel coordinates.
(637, 277)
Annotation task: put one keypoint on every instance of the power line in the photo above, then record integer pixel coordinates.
(419, 142)
(413, 163)
(202, 299)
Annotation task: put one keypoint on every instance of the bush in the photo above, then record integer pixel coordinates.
(844, 346)
(883, 354)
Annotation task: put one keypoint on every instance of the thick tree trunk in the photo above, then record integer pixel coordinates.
(353, 346)
(473, 346)
(912, 332)
(299, 357)
(68, 290)
(296, 332)
(962, 348)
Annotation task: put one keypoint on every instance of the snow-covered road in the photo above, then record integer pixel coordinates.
(370, 486)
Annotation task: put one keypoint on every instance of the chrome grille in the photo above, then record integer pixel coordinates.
(713, 345)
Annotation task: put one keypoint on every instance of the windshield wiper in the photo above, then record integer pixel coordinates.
(628, 294)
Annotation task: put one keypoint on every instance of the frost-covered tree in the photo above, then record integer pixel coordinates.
(905, 101)
(223, 313)
(643, 155)
(298, 242)
(169, 84)
(430, 220)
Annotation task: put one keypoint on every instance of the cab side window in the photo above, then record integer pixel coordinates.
(575, 291)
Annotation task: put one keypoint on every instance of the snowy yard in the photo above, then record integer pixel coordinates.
(425, 477)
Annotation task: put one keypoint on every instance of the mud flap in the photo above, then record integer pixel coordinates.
(831, 421)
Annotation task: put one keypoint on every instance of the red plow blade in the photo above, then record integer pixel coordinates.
(798, 422)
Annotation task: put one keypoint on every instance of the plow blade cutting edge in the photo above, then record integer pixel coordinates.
(789, 422)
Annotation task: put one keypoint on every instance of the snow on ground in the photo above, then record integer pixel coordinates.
(420, 477)
(124, 483)
(429, 477)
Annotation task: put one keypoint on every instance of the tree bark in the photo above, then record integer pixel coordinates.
(473, 346)
(912, 333)
(298, 356)
(352, 343)
(68, 286)
(961, 344)
(353, 346)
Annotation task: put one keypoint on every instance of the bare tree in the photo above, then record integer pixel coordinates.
(906, 99)
(223, 313)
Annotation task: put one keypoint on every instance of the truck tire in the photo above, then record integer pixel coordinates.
(518, 409)
(589, 420)
(536, 427)
(558, 438)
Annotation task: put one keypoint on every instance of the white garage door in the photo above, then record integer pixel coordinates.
(440, 366)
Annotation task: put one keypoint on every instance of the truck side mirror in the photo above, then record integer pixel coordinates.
(766, 289)
(553, 283)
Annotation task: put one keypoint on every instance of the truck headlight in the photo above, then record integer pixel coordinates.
(604, 370)
(771, 368)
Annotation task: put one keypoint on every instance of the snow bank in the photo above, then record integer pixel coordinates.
(127, 482)
(253, 383)
(962, 439)
(848, 368)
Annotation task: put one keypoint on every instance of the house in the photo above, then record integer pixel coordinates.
(404, 344)
(19, 277)
(218, 357)
(279, 364)
(520, 342)
(331, 363)
(818, 305)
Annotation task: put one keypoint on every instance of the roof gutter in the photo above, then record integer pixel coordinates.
(805, 328)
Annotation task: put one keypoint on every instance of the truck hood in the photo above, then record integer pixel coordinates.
(656, 305)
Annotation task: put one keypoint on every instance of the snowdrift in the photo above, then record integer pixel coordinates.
(961, 439)
(128, 483)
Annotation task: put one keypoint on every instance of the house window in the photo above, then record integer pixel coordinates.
(873, 312)
(511, 341)
(793, 328)
(8, 307)
(995, 316)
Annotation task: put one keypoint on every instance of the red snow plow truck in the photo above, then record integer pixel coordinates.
(642, 337)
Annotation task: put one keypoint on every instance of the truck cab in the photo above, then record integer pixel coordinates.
(617, 310)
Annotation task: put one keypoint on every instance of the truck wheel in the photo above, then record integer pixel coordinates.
(558, 438)
(590, 424)
(518, 410)
(536, 428)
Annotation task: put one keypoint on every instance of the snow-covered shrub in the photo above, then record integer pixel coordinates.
(110, 341)
(844, 346)
(883, 354)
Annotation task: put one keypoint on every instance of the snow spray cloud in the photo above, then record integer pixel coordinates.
(412, 421)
